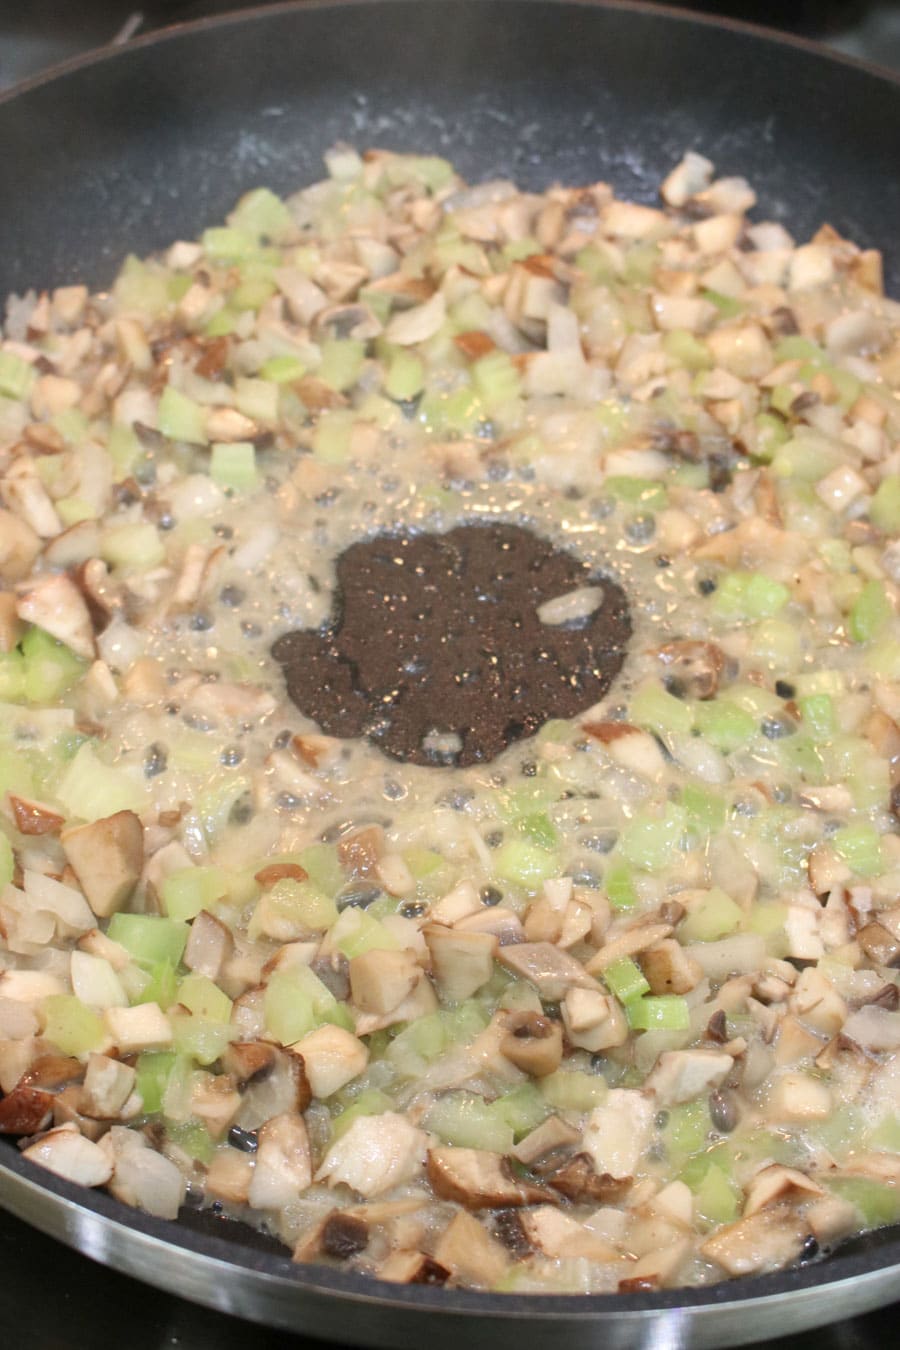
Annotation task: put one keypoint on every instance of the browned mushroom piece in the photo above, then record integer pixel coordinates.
(11, 626)
(550, 970)
(533, 1043)
(470, 1252)
(479, 1179)
(412, 1268)
(25, 1110)
(248, 1060)
(360, 850)
(107, 856)
(102, 597)
(344, 1235)
(693, 668)
(209, 945)
(35, 818)
(578, 1180)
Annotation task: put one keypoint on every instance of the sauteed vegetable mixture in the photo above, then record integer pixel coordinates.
(614, 1010)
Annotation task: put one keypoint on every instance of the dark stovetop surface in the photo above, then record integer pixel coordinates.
(52, 1298)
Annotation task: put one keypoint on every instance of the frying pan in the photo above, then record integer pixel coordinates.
(126, 151)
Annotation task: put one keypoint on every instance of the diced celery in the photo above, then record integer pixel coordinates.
(819, 717)
(642, 492)
(300, 902)
(368, 1103)
(496, 379)
(625, 979)
(405, 376)
(522, 1109)
(597, 263)
(282, 369)
(229, 245)
(125, 450)
(331, 438)
(525, 864)
(878, 1203)
(458, 411)
(7, 862)
(141, 288)
(202, 997)
(749, 595)
(727, 305)
(149, 937)
(518, 249)
(49, 668)
(233, 465)
(339, 1015)
(16, 774)
(687, 350)
(619, 886)
(571, 1090)
(356, 933)
(796, 348)
(322, 866)
(662, 1012)
(200, 1038)
(870, 613)
(153, 1069)
(137, 547)
(193, 1138)
(16, 376)
(687, 1129)
(12, 677)
(706, 810)
(843, 1132)
(295, 1002)
(186, 892)
(804, 458)
(72, 425)
(657, 710)
(771, 433)
(91, 790)
(766, 919)
(466, 1121)
(886, 1135)
(777, 642)
(556, 731)
(884, 508)
(71, 510)
(262, 215)
(257, 399)
(180, 418)
(221, 323)
(342, 361)
(538, 826)
(73, 1027)
(160, 986)
(712, 917)
(717, 1197)
(641, 262)
(649, 840)
(725, 725)
(860, 847)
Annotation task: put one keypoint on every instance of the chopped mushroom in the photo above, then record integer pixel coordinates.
(412, 1268)
(332, 1058)
(768, 1240)
(461, 961)
(551, 971)
(107, 856)
(376, 1153)
(479, 1179)
(617, 1132)
(533, 1043)
(56, 604)
(283, 1169)
(681, 1075)
(470, 1253)
(775, 1184)
(693, 669)
(71, 1156)
(381, 980)
(107, 1086)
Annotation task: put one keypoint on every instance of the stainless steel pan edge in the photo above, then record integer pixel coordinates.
(333, 1305)
(107, 206)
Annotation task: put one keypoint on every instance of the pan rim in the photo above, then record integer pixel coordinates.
(733, 1294)
(743, 1294)
(636, 8)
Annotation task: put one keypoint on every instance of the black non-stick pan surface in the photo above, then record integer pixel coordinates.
(124, 152)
